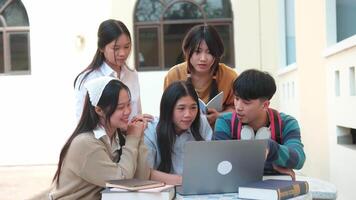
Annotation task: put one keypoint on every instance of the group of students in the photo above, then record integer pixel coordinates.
(114, 140)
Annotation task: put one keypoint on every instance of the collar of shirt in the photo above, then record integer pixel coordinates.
(108, 71)
(100, 134)
(184, 134)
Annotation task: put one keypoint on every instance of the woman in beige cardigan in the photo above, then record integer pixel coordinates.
(105, 145)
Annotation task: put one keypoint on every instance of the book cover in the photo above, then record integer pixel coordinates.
(134, 184)
(273, 189)
(215, 102)
(166, 192)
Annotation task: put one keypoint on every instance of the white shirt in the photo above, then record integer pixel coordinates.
(154, 156)
(100, 134)
(128, 77)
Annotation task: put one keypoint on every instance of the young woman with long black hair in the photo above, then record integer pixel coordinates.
(113, 48)
(179, 121)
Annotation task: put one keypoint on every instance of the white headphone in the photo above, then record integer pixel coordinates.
(262, 133)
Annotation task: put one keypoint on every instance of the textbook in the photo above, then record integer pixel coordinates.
(215, 102)
(134, 184)
(273, 189)
(166, 192)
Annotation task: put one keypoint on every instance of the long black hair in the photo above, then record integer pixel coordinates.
(191, 43)
(109, 30)
(166, 132)
(90, 119)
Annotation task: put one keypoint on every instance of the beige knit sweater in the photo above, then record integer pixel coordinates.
(90, 162)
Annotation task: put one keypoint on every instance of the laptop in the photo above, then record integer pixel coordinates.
(212, 167)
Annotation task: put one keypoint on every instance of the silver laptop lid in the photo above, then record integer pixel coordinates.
(221, 166)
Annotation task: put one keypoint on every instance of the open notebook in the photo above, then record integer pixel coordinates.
(215, 102)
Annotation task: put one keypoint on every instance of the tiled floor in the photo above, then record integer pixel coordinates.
(22, 182)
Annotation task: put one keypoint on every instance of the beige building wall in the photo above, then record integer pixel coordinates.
(310, 42)
(246, 34)
(256, 29)
(340, 64)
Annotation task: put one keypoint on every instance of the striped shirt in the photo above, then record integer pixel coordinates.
(289, 154)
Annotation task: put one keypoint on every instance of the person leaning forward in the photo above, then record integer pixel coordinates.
(253, 119)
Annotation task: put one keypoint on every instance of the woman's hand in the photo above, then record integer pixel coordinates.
(144, 117)
(211, 115)
(136, 128)
(147, 117)
(171, 179)
(179, 180)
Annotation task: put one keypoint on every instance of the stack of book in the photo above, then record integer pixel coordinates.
(137, 189)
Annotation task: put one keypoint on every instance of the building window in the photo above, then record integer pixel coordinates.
(14, 38)
(345, 18)
(160, 26)
(290, 31)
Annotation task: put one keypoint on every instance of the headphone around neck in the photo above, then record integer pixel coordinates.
(274, 131)
(247, 133)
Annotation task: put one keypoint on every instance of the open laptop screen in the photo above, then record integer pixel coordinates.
(221, 166)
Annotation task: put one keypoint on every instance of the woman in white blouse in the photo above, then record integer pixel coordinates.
(114, 46)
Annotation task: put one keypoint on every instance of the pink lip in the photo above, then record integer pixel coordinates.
(120, 59)
(202, 65)
(187, 122)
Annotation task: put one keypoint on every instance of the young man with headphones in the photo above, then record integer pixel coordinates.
(253, 119)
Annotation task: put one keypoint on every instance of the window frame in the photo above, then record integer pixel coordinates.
(160, 29)
(333, 46)
(284, 67)
(137, 46)
(288, 26)
(7, 31)
(340, 37)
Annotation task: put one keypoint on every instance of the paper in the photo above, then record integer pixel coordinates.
(215, 103)
(158, 189)
(134, 184)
